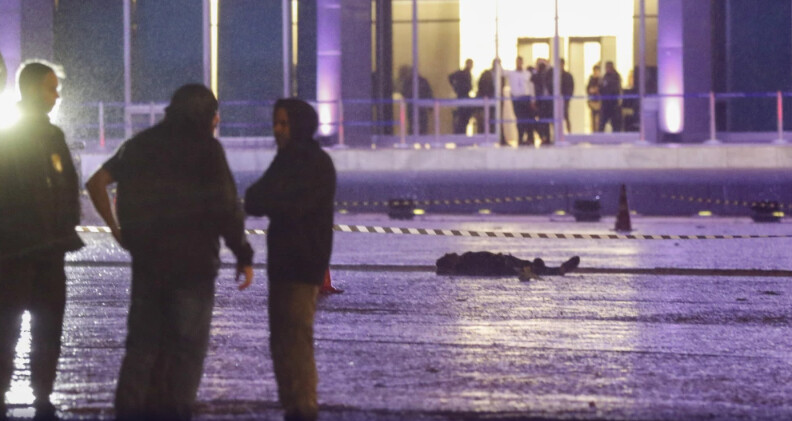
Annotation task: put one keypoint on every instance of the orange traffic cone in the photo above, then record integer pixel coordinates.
(327, 285)
(623, 217)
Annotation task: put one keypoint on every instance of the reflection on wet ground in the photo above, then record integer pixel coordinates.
(412, 345)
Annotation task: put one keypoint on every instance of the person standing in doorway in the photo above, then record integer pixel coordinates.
(296, 193)
(176, 198)
(544, 102)
(39, 208)
(611, 88)
(523, 101)
(486, 89)
(462, 82)
(594, 104)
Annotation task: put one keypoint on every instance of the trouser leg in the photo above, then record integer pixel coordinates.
(15, 284)
(48, 301)
(144, 335)
(522, 110)
(168, 334)
(10, 321)
(184, 348)
(291, 311)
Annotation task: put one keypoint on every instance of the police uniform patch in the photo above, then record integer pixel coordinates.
(56, 162)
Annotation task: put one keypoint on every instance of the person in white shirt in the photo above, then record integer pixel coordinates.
(522, 93)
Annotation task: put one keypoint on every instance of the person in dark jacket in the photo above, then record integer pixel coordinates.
(296, 192)
(39, 208)
(405, 83)
(176, 198)
(462, 83)
(611, 87)
(567, 89)
(543, 90)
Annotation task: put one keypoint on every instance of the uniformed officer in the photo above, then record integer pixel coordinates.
(39, 209)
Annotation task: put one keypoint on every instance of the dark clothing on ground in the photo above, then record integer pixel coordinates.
(484, 263)
(611, 85)
(39, 209)
(176, 197)
(462, 82)
(296, 193)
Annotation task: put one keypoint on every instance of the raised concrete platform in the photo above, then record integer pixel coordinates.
(492, 158)
(657, 176)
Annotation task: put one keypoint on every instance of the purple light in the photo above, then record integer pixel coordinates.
(328, 64)
(671, 69)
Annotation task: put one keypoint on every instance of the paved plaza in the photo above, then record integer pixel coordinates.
(404, 343)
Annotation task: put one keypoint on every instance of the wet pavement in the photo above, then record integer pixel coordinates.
(403, 343)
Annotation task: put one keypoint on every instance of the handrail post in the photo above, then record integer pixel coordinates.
(486, 119)
(780, 115)
(437, 120)
(402, 123)
(101, 125)
(713, 139)
(340, 123)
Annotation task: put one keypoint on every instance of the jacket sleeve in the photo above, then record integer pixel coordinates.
(231, 219)
(6, 178)
(72, 180)
(284, 193)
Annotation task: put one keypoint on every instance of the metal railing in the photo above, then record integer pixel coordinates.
(105, 123)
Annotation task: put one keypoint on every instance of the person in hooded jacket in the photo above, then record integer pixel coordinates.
(39, 208)
(176, 198)
(296, 192)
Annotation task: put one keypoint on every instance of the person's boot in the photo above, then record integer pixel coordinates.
(570, 265)
(45, 410)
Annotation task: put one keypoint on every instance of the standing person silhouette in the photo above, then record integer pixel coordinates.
(39, 208)
(176, 198)
(296, 192)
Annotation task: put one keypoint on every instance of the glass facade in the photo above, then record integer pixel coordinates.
(354, 59)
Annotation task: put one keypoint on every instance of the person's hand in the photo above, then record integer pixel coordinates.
(247, 272)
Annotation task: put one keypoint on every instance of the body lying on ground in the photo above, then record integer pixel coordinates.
(484, 263)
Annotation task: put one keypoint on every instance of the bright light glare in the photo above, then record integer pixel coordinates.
(534, 19)
(9, 113)
(20, 392)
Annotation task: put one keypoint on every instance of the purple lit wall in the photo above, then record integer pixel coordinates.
(328, 64)
(684, 61)
(670, 64)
